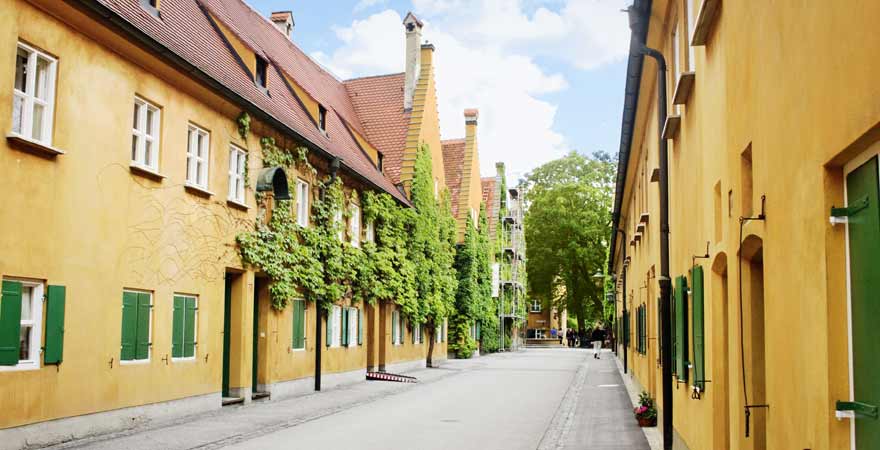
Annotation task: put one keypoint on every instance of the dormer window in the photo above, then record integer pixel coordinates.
(260, 76)
(381, 162)
(152, 6)
(322, 118)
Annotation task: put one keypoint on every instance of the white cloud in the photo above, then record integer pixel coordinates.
(366, 4)
(485, 57)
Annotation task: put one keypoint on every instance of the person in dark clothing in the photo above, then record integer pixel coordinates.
(597, 337)
(569, 335)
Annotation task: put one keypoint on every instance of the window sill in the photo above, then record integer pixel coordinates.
(31, 146)
(683, 88)
(670, 128)
(705, 21)
(235, 204)
(183, 360)
(21, 367)
(197, 190)
(134, 362)
(146, 172)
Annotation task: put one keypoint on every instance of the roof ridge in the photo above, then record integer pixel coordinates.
(453, 141)
(374, 76)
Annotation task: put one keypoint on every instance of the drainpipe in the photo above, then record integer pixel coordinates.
(623, 293)
(636, 16)
(335, 163)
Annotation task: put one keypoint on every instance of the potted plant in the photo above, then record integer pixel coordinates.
(646, 413)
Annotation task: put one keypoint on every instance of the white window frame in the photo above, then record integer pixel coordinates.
(676, 59)
(692, 25)
(237, 171)
(336, 339)
(370, 231)
(37, 293)
(127, 362)
(337, 219)
(536, 306)
(354, 225)
(396, 337)
(141, 135)
(29, 99)
(352, 327)
(417, 331)
(305, 327)
(302, 203)
(195, 326)
(198, 157)
(438, 334)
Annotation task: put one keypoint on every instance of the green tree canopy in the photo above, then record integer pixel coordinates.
(567, 225)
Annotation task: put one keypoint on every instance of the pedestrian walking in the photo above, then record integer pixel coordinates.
(597, 337)
(570, 336)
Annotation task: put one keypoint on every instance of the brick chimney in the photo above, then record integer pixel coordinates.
(413, 27)
(283, 20)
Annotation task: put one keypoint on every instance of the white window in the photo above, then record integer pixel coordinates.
(337, 220)
(536, 306)
(438, 334)
(31, 325)
(33, 96)
(336, 315)
(396, 323)
(145, 135)
(237, 168)
(370, 231)
(302, 203)
(417, 332)
(352, 327)
(354, 225)
(692, 15)
(676, 60)
(198, 144)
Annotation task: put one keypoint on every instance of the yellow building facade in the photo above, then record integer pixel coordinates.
(131, 177)
(772, 137)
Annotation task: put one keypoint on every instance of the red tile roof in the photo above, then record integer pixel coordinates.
(187, 32)
(378, 101)
(453, 166)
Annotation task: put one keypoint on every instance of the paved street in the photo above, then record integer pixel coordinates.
(538, 398)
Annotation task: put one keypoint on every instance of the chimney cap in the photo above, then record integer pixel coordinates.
(428, 46)
(470, 115)
(411, 20)
(281, 16)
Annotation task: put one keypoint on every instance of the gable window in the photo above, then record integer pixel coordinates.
(237, 167)
(137, 315)
(536, 306)
(197, 157)
(33, 95)
(322, 118)
(260, 76)
(184, 326)
(145, 135)
(337, 220)
(302, 203)
(354, 225)
(370, 231)
(152, 6)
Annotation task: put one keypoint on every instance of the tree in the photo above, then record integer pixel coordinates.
(567, 229)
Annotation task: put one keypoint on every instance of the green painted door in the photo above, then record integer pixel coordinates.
(227, 309)
(864, 253)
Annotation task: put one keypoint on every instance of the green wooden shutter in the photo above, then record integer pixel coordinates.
(10, 323)
(626, 328)
(142, 350)
(393, 327)
(345, 327)
(413, 334)
(681, 348)
(478, 331)
(360, 326)
(698, 323)
(129, 326)
(299, 319)
(177, 319)
(55, 299)
(402, 329)
(189, 327)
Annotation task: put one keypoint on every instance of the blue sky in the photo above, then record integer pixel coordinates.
(547, 75)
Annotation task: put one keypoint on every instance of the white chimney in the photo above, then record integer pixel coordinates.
(413, 28)
(283, 20)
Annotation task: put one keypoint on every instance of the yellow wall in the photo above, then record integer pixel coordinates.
(781, 82)
(424, 125)
(310, 103)
(247, 55)
(368, 148)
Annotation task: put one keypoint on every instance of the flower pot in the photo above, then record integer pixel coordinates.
(647, 422)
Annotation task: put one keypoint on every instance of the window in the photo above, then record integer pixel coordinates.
(396, 325)
(322, 118)
(370, 231)
(197, 157)
(417, 333)
(184, 326)
(145, 135)
(302, 203)
(536, 306)
(337, 220)
(354, 225)
(136, 325)
(21, 313)
(352, 328)
(237, 167)
(260, 76)
(299, 325)
(676, 60)
(33, 95)
(438, 334)
(334, 327)
(691, 18)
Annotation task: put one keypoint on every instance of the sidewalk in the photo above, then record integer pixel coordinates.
(233, 424)
(652, 434)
